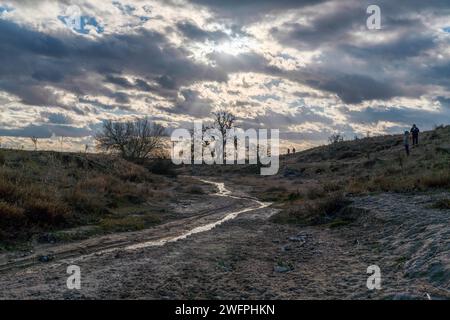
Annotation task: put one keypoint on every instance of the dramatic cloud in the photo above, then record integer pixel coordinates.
(252, 9)
(309, 68)
(46, 131)
(192, 31)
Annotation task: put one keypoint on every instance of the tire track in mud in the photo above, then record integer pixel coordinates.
(79, 252)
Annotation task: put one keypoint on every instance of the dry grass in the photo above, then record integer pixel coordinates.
(12, 218)
(314, 212)
(369, 165)
(50, 191)
(195, 190)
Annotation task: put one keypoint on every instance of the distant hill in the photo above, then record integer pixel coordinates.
(356, 162)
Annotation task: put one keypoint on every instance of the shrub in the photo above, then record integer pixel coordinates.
(274, 194)
(327, 206)
(294, 196)
(441, 180)
(134, 173)
(195, 190)
(96, 185)
(40, 212)
(87, 203)
(8, 191)
(162, 167)
(315, 193)
(11, 216)
(316, 212)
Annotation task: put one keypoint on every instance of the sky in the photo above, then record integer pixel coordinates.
(308, 68)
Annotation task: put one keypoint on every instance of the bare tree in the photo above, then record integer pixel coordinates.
(134, 140)
(335, 138)
(35, 142)
(224, 120)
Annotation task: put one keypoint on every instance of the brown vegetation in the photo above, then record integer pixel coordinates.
(44, 192)
(309, 180)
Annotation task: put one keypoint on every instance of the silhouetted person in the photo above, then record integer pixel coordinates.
(415, 134)
(293, 150)
(406, 142)
(289, 151)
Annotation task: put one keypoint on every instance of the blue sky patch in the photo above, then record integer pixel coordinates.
(4, 9)
(82, 25)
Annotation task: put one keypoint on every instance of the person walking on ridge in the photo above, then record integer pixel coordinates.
(406, 142)
(415, 135)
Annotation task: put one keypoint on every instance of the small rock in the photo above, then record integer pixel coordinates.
(297, 239)
(46, 258)
(286, 247)
(281, 269)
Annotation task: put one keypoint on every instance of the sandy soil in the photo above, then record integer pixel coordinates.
(249, 257)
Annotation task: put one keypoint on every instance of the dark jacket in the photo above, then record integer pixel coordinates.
(415, 131)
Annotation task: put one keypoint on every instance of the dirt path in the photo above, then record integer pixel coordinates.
(216, 209)
(235, 252)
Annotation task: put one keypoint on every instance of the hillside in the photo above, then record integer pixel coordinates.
(309, 232)
(382, 206)
(357, 166)
(52, 197)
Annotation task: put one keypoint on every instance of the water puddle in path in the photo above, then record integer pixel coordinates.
(222, 191)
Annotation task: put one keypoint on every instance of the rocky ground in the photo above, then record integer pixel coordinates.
(250, 257)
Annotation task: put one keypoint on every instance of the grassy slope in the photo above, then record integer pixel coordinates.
(314, 183)
(42, 192)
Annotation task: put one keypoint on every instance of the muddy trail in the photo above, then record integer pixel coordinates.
(229, 249)
(215, 212)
